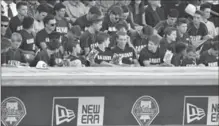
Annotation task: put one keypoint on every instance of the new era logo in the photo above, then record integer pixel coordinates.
(194, 113)
(63, 114)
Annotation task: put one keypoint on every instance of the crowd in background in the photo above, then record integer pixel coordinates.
(109, 33)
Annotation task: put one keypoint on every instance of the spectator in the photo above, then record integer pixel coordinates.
(41, 13)
(210, 57)
(5, 31)
(206, 8)
(197, 31)
(190, 60)
(151, 55)
(42, 37)
(28, 45)
(5, 45)
(179, 54)
(73, 35)
(9, 8)
(88, 38)
(121, 26)
(154, 13)
(126, 17)
(85, 20)
(140, 40)
(15, 23)
(51, 55)
(62, 25)
(207, 45)
(74, 9)
(182, 35)
(88, 4)
(108, 4)
(111, 19)
(170, 22)
(32, 7)
(104, 56)
(74, 60)
(137, 12)
(14, 56)
(169, 40)
(127, 54)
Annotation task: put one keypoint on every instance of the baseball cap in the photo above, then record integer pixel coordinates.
(155, 39)
(41, 65)
(76, 30)
(58, 6)
(148, 30)
(116, 10)
(95, 10)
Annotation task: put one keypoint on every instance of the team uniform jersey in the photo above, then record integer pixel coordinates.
(82, 22)
(108, 25)
(164, 46)
(189, 62)
(62, 26)
(28, 42)
(153, 58)
(177, 60)
(139, 43)
(88, 40)
(15, 24)
(128, 54)
(103, 56)
(208, 60)
(197, 34)
(185, 38)
(43, 36)
(12, 56)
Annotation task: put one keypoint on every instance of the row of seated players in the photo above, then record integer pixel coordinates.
(66, 51)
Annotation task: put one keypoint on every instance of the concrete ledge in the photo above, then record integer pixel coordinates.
(109, 76)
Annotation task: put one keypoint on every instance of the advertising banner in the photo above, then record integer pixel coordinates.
(201, 110)
(78, 111)
(110, 106)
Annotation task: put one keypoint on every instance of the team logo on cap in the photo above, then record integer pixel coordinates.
(145, 109)
(13, 111)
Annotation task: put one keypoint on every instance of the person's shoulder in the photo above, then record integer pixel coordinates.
(202, 25)
(14, 19)
(205, 53)
(86, 34)
(41, 32)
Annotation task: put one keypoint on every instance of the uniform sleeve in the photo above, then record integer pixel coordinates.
(205, 30)
(202, 60)
(12, 26)
(39, 39)
(85, 41)
(143, 56)
(134, 54)
(159, 27)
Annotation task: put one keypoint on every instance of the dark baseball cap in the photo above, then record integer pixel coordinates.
(95, 10)
(76, 30)
(148, 30)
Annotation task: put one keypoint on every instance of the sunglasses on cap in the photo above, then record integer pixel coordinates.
(4, 25)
